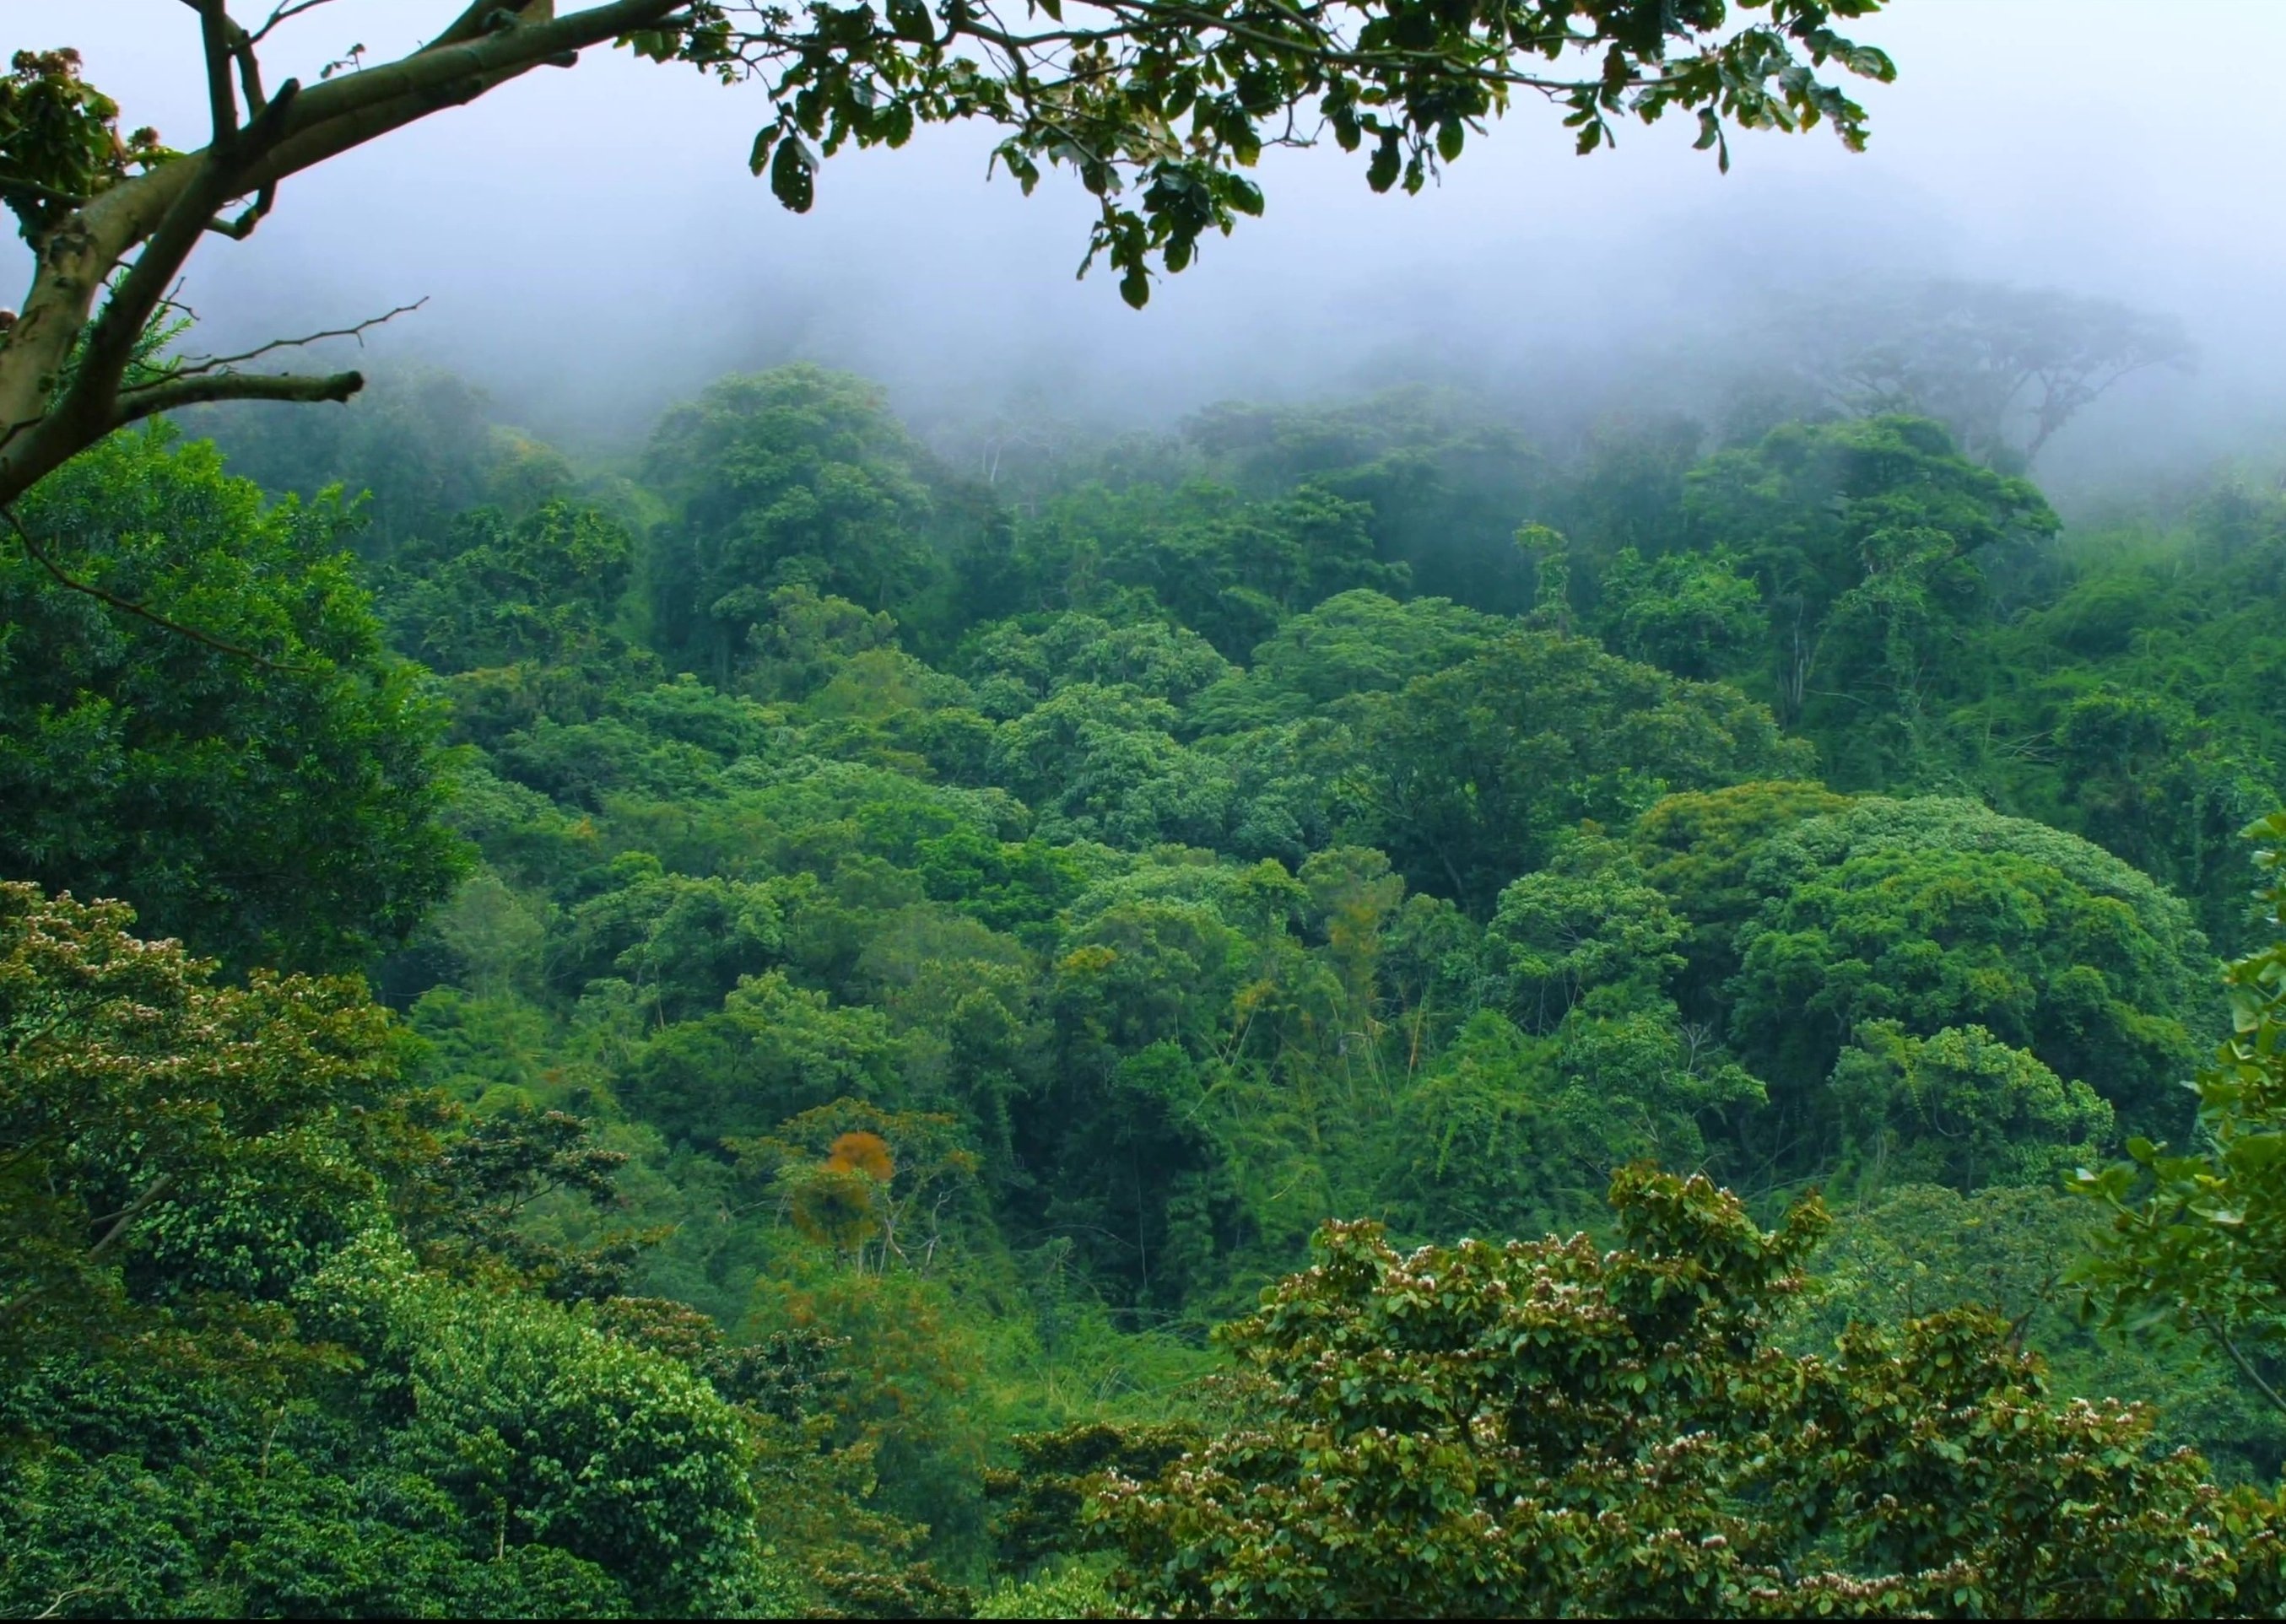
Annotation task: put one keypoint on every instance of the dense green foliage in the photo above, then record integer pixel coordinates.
(211, 1194)
(867, 970)
(1547, 1429)
(281, 813)
(2193, 1240)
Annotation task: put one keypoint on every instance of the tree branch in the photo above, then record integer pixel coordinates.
(65, 1597)
(472, 23)
(285, 12)
(167, 210)
(502, 50)
(89, 405)
(347, 112)
(249, 71)
(198, 390)
(46, 194)
(127, 607)
(213, 363)
(85, 406)
(2214, 1329)
(240, 229)
(134, 1209)
(215, 29)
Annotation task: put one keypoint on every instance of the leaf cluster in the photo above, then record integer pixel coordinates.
(59, 141)
(1159, 107)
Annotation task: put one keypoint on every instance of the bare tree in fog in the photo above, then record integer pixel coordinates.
(2003, 367)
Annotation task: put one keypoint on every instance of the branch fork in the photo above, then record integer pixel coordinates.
(67, 363)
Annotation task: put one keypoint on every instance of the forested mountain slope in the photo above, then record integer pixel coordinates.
(868, 964)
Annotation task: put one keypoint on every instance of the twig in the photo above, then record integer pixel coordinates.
(32, 548)
(207, 364)
(54, 1609)
(2245, 1368)
(289, 10)
(215, 29)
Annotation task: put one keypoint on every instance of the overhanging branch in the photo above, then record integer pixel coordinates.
(349, 110)
(88, 406)
(474, 22)
(176, 393)
(45, 194)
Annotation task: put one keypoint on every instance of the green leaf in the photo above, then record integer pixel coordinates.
(910, 20)
(793, 176)
(1380, 173)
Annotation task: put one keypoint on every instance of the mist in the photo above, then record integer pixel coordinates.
(591, 248)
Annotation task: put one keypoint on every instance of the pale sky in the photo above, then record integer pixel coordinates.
(591, 241)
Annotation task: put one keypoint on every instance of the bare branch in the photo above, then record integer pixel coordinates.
(119, 325)
(65, 1597)
(176, 393)
(127, 607)
(169, 210)
(475, 22)
(250, 72)
(250, 67)
(211, 363)
(89, 406)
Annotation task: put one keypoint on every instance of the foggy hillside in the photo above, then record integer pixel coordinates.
(1564, 898)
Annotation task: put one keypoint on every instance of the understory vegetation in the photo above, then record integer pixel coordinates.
(1325, 1013)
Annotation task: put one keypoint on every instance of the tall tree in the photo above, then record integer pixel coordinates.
(2005, 368)
(1467, 778)
(797, 478)
(1875, 545)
